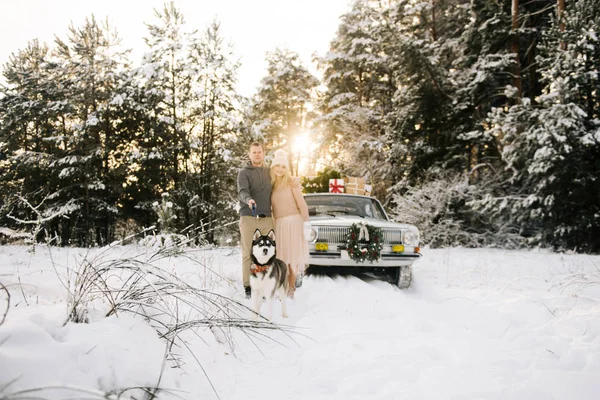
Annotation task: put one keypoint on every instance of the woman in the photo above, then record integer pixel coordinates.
(290, 212)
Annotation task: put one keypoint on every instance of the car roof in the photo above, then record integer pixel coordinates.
(340, 194)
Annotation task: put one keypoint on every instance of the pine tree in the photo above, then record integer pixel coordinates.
(482, 82)
(359, 90)
(168, 85)
(552, 148)
(424, 126)
(281, 104)
(33, 111)
(144, 174)
(91, 172)
(70, 138)
(216, 116)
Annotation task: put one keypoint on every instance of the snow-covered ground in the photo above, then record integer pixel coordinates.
(476, 324)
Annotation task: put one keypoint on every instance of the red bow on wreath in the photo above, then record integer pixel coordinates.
(336, 185)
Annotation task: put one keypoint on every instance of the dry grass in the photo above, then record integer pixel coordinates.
(140, 285)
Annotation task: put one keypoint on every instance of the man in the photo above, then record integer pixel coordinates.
(254, 188)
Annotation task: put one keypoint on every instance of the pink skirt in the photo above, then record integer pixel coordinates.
(291, 246)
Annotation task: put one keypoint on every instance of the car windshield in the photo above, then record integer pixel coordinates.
(344, 205)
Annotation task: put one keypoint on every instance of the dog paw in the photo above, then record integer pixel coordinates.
(284, 315)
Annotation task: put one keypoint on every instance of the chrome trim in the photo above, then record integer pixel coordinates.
(325, 254)
(338, 262)
(332, 234)
(337, 235)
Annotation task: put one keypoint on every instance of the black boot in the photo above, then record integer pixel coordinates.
(248, 291)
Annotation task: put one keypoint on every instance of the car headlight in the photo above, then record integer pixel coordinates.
(410, 238)
(311, 233)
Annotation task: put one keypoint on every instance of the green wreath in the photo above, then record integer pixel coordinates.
(361, 250)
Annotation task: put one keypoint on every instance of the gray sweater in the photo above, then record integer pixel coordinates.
(254, 183)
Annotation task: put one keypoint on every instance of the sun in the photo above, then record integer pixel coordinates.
(301, 144)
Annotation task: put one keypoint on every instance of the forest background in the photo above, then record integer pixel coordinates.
(476, 120)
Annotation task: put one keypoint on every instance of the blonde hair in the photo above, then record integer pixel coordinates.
(284, 181)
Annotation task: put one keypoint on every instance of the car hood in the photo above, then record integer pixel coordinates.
(348, 220)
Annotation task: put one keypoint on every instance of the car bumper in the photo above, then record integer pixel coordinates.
(341, 259)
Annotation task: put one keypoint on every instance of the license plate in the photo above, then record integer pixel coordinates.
(398, 248)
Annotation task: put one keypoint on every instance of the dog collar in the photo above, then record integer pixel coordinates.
(259, 268)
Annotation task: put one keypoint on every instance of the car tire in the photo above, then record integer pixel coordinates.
(402, 276)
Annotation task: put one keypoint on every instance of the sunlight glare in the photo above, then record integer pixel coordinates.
(301, 144)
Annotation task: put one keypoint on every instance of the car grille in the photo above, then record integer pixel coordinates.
(338, 235)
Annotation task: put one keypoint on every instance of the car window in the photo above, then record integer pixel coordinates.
(344, 205)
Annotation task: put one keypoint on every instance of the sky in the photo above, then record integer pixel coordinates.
(475, 324)
(253, 26)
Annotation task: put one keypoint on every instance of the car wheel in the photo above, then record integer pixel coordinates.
(402, 276)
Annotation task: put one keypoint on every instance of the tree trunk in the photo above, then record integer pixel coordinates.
(515, 47)
(560, 8)
(176, 137)
(433, 30)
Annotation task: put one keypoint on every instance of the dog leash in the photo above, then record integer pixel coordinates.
(255, 215)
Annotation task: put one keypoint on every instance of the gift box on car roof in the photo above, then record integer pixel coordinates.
(350, 185)
(356, 185)
(336, 186)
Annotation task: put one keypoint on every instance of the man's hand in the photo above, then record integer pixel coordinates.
(250, 202)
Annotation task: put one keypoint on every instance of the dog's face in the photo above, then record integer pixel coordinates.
(263, 247)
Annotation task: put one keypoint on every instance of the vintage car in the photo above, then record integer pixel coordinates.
(338, 238)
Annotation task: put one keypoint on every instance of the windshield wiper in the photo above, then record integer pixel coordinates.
(331, 215)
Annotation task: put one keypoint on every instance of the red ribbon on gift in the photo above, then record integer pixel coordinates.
(335, 187)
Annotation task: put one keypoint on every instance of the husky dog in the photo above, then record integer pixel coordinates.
(269, 274)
